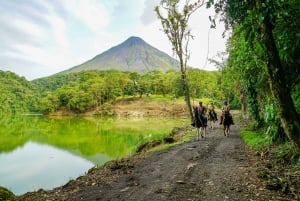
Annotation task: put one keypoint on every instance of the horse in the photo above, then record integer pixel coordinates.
(227, 121)
(212, 118)
(200, 123)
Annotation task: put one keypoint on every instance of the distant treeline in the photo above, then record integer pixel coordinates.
(88, 90)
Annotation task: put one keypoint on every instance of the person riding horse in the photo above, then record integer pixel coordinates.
(226, 110)
(211, 112)
(199, 115)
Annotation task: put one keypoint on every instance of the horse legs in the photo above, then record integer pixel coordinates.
(198, 133)
(211, 126)
(201, 132)
(226, 130)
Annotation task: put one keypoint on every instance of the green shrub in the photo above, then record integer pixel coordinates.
(287, 153)
(272, 131)
(296, 96)
(6, 195)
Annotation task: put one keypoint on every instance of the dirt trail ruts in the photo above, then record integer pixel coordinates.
(216, 168)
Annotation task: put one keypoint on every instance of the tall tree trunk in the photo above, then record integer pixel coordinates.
(284, 104)
(187, 94)
(185, 87)
(243, 102)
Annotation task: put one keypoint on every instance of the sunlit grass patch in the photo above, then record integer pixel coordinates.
(159, 97)
(166, 98)
(254, 139)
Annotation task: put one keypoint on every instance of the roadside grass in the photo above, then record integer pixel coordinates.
(255, 140)
(287, 153)
(278, 163)
(281, 152)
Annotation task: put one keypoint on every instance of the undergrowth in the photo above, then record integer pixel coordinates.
(254, 139)
(279, 162)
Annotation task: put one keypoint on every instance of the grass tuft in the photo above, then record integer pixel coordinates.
(255, 140)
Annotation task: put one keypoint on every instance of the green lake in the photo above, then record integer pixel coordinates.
(39, 152)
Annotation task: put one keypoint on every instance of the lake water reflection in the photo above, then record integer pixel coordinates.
(38, 152)
(35, 166)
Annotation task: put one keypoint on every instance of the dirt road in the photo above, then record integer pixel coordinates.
(216, 168)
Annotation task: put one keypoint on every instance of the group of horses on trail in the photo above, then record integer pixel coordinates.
(201, 121)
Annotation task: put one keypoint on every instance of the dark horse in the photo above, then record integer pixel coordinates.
(200, 123)
(212, 118)
(227, 121)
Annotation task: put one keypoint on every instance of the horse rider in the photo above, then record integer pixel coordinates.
(202, 111)
(211, 110)
(225, 109)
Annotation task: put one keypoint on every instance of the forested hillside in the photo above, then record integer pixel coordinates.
(17, 94)
(89, 90)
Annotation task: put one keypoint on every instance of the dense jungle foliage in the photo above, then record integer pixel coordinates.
(264, 59)
(89, 90)
(17, 94)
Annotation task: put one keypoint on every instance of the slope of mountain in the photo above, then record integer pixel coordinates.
(134, 55)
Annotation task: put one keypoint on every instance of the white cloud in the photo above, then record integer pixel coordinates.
(93, 14)
(59, 32)
(149, 14)
(29, 28)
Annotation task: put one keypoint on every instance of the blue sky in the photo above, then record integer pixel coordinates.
(42, 37)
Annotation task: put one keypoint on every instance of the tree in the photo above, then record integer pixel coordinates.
(261, 18)
(175, 26)
(17, 94)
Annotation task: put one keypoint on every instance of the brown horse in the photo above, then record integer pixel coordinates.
(200, 123)
(212, 118)
(227, 121)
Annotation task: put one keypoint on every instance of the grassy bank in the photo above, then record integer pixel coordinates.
(278, 162)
